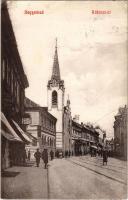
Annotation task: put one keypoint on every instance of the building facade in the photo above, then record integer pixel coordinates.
(42, 127)
(120, 133)
(67, 128)
(110, 146)
(13, 84)
(102, 137)
(83, 137)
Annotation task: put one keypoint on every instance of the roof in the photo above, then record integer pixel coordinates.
(76, 124)
(56, 69)
(29, 103)
(32, 106)
(99, 131)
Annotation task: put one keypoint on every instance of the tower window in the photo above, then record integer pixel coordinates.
(54, 98)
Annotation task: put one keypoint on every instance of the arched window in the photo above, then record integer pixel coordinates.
(54, 98)
(42, 140)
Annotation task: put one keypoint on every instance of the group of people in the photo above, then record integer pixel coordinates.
(101, 152)
(44, 156)
(65, 154)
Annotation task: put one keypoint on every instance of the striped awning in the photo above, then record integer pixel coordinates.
(22, 132)
(9, 133)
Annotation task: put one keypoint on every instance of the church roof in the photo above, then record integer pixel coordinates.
(29, 103)
(56, 69)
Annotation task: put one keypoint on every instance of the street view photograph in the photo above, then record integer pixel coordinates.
(64, 99)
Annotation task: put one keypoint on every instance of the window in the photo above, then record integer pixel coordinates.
(54, 98)
(50, 142)
(18, 96)
(3, 70)
(42, 140)
(9, 76)
(12, 81)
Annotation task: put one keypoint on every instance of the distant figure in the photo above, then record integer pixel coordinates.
(95, 152)
(52, 154)
(37, 155)
(45, 157)
(101, 152)
(57, 154)
(29, 155)
(91, 152)
(105, 157)
(24, 156)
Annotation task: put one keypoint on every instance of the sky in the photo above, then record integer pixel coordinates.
(91, 49)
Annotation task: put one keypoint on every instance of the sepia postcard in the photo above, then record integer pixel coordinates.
(64, 99)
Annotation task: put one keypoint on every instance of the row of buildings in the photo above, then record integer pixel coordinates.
(25, 125)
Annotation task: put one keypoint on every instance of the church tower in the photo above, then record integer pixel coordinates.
(55, 95)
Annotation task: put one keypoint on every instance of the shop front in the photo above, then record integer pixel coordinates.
(12, 145)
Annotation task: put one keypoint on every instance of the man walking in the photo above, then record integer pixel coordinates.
(52, 154)
(37, 155)
(105, 156)
(45, 157)
(29, 155)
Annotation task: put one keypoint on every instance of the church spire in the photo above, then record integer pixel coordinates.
(56, 69)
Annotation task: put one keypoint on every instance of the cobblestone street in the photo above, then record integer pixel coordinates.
(73, 178)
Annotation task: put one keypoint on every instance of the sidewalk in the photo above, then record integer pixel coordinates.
(28, 182)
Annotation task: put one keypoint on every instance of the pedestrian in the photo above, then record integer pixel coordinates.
(45, 157)
(57, 154)
(29, 155)
(105, 157)
(101, 153)
(52, 154)
(24, 156)
(37, 156)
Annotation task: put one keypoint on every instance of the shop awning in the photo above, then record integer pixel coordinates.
(22, 132)
(10, 134)
(7, 135)
(94, 147)
(83, 139)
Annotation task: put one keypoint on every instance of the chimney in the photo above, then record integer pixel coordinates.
(76, 118)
